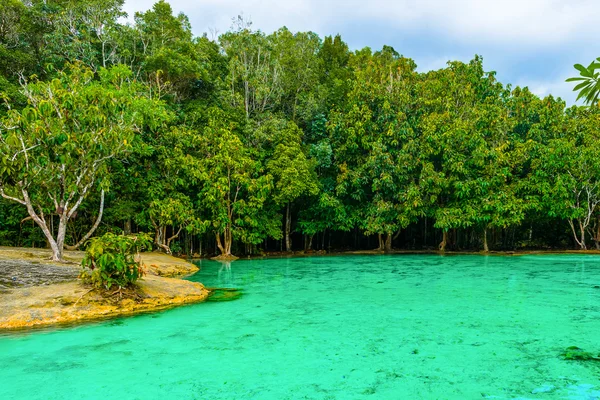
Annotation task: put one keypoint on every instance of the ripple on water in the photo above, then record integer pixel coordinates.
(348, 327)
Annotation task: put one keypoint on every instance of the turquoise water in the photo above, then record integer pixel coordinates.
(347, 327)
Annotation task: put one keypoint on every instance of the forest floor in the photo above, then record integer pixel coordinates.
(35, 292)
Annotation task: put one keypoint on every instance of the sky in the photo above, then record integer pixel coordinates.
(530, 43)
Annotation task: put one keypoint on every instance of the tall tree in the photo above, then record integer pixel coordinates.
(54, 152)
(292, 171)
(233, 186)
(254, 79)
(297, 55)
(568, 172)
(374, 142)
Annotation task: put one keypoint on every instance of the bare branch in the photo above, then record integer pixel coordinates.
(11, 198)
(94, 227)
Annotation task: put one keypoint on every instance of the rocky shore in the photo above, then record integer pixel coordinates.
(36, 293)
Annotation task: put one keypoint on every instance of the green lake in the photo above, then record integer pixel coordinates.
(337, 327)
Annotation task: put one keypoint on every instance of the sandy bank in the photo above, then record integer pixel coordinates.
(39, 295)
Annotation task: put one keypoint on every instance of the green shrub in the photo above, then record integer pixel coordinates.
(114, 260)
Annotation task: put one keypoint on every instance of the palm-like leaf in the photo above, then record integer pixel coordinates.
(589, 82)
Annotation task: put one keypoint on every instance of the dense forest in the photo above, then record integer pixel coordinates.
(251, 142)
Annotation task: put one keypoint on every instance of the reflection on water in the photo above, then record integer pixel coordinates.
(225, 275)
(352, 327)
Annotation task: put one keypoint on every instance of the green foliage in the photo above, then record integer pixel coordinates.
(55, 151)
(238, 141)
(292, 171)
(114, 260)
(589, 82)
(376, 141)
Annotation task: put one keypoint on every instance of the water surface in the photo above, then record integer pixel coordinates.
(347, 327)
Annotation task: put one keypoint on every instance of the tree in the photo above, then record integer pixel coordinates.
(164, 42)
(589, 87)
(233, 186)
(292, 171)
(374, 142)
(568, 172)
(54, 152)
(297, 55)
(84, 32)
(254, 71)
(169, 184)
(468, 153)
(15, 50)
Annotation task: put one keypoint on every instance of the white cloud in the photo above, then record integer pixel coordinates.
(521, 22)
(556, 88)
(435, 63)
(514, 36)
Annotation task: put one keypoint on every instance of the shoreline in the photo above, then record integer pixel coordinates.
(42, 303)
(321, 253)
(69, 303)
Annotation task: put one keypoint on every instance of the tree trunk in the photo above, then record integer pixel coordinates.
(288, 223)
(597, 236)
(310, 240)
(225, 244)
(580, 241)
(219, 244)
(388, 243)
(425, 234)
(444, 242)
(95, 226)
(57, 251)
(485, 242)
(228, 240)
(62, 231)
(380, 239)
(159, 238)
(169, 240)
(127, 230)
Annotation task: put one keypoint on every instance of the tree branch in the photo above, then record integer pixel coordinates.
(94, 227)
(11, 198)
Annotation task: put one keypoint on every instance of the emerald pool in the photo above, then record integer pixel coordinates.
(337, 327)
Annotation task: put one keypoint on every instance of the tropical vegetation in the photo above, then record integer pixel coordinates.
(252, 142)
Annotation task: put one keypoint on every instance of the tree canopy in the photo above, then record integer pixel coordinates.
(252, 142)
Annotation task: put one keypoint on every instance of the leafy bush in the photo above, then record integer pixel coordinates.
(114, 260)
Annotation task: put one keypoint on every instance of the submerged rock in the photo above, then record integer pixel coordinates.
(544, 389)
(575, 353)
(223, 294)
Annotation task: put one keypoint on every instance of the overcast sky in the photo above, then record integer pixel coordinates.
(527, 42)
